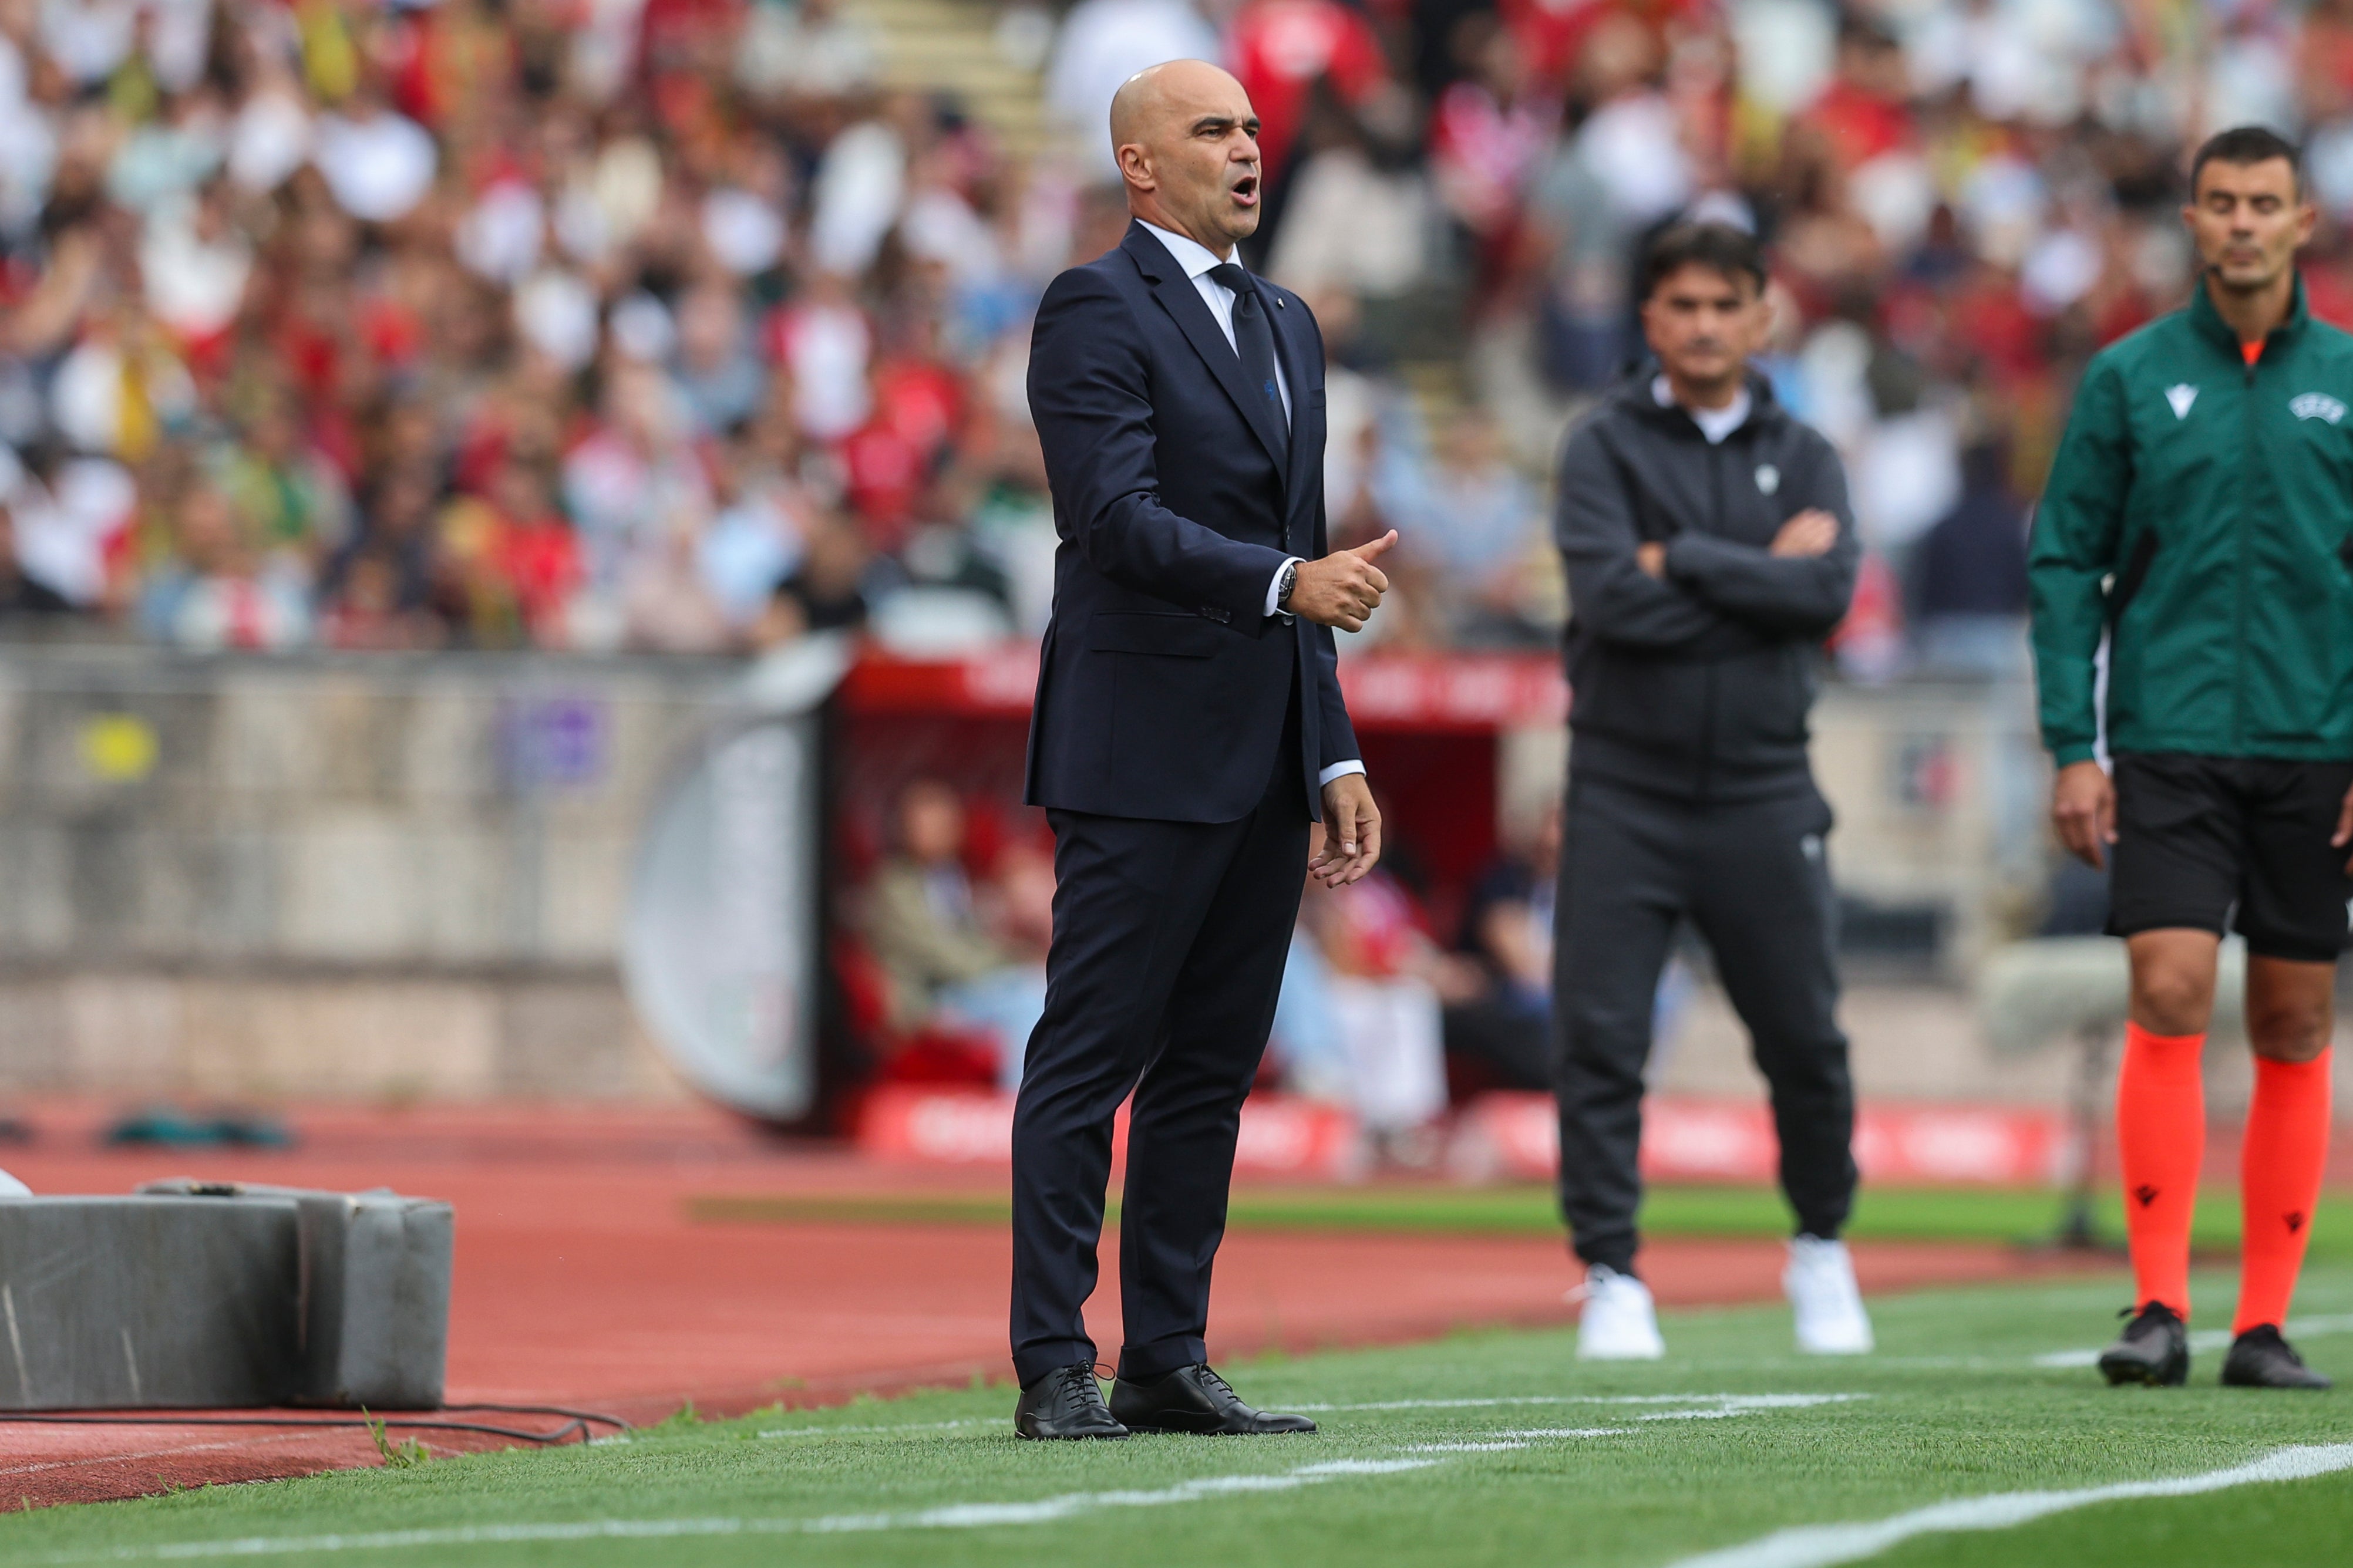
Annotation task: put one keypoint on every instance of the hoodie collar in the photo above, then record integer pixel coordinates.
(2209, 321)
(1638, 396)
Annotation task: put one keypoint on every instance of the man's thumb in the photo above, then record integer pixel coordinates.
(1378, 548)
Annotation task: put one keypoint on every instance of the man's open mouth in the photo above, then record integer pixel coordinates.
(1246, 190)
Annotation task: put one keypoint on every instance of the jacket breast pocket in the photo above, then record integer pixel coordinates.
(1170, 634)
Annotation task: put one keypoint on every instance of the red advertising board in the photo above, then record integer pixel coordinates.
(1515, 1137)
(1449, 693)
(1281, 1135)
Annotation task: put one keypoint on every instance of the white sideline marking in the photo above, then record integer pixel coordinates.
(1520, 1439)
(1822, 1545)
(1741, 1400)
(905, 1426)
(2214, 1340)
(953, 1516)
(1731, 1401)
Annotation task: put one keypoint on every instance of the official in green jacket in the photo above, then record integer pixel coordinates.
(2200, 520)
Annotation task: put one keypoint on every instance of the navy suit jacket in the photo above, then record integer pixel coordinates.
(1163, 684)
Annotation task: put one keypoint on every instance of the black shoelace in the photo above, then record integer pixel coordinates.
(1079, 1389)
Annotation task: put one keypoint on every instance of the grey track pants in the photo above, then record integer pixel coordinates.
(1754, 878)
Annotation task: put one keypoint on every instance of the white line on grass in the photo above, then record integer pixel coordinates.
(1522, 1439)
(1731, 1401)
(2214, 1340)
(1822, 1545)
(901, 1426)
(1738, 1401)
(954, 1516)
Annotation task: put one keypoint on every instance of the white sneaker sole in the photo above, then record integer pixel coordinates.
(1656, 1353)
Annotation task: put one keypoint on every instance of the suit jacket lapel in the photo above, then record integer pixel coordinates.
(1183, 301)
(1306, 414)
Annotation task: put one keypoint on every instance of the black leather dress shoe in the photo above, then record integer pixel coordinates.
(1194, 1399)
(1066, 1403)
(2154, 1348)
(2261, 1358)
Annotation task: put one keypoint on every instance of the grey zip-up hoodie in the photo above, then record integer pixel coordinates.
(1697, 685)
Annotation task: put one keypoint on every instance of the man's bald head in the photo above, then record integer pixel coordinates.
(1187, 141)
(1152, 93)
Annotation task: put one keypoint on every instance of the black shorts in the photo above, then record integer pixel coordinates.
(2196, 836)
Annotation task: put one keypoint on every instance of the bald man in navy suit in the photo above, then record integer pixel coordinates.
(1188, 736)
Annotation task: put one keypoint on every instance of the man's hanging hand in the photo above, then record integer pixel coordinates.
(1351, 833)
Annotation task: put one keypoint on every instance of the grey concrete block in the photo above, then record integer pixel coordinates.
(148, 1303)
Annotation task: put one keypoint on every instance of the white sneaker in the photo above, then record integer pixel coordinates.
(1619, 1322)
(1820, 1281)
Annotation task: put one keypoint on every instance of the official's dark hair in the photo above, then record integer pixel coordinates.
(1719, 247)
(2245, 145)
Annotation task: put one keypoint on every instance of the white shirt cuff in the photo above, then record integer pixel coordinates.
(1274, 584)
(1338, 771)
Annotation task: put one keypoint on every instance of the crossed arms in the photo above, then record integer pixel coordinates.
(1667, 594)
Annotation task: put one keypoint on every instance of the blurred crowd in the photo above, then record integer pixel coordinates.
(662, 324)
(507, 322)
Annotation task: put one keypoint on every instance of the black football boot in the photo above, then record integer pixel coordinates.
(2154, 1348)
(2261, 1358)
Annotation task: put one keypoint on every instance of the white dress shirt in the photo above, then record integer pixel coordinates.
(1196, 259)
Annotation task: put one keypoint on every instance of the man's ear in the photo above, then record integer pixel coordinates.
(1136, 166)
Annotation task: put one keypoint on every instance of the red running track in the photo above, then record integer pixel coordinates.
(581, 1280)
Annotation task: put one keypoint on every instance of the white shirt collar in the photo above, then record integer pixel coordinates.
(1714, 424)
(1191, 255)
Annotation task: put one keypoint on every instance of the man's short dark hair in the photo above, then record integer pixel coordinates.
(1718, 246)
(2245, 145)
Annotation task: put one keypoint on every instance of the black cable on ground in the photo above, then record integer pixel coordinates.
(547, 1410)
(580, 1422)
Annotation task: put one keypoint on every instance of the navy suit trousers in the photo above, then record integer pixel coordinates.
(1169, 948)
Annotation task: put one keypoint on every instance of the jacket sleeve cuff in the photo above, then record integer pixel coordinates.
(1338, 771)
(2074, 751)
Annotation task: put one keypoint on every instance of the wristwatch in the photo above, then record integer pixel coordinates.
(1285, 583)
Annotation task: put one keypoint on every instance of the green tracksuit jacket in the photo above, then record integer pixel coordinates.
(2201, 512)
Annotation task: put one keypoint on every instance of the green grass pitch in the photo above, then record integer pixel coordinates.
(1882, 1213)
(1725, 1443)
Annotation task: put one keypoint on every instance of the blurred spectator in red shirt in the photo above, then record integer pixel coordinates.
(1279, 49)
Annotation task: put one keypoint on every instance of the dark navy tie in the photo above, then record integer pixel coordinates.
(1254, 342)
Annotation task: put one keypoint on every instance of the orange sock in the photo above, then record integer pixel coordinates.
(2161, 1138)
(2279, 1183)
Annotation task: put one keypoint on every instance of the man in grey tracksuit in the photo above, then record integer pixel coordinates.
(1710, 550)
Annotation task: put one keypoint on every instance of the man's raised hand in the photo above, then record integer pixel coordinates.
(1344, 588)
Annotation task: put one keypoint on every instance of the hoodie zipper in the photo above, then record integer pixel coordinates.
(2248, 445)
(1715, 450)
